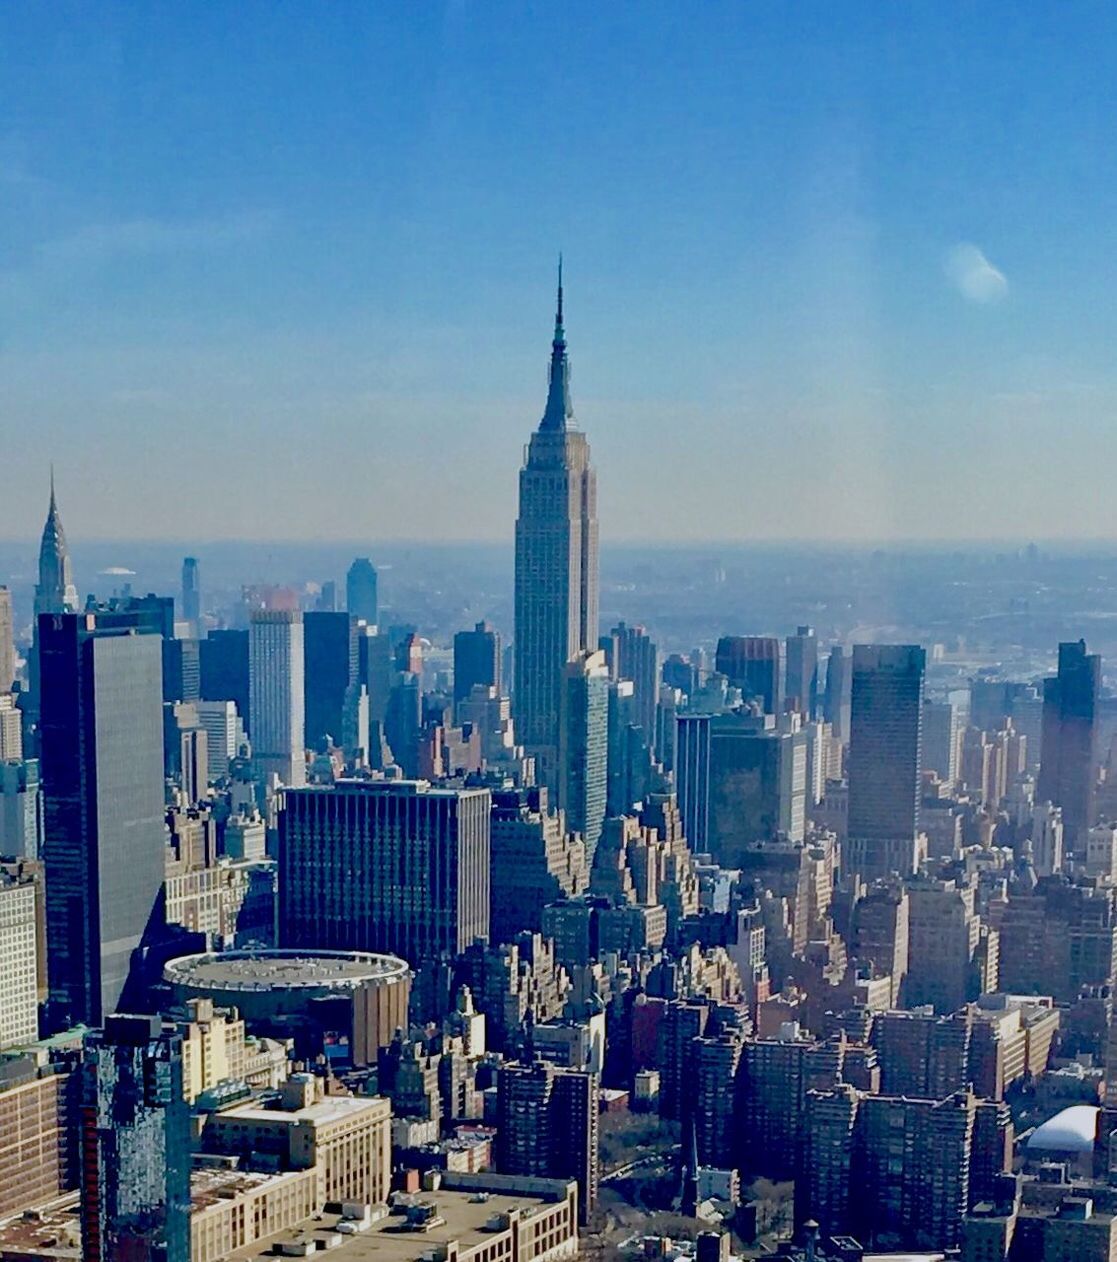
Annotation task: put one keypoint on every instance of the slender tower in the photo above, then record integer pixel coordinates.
(55, 592)
(556, 563)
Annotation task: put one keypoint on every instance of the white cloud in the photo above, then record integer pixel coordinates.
(975, 278)
(100, 242)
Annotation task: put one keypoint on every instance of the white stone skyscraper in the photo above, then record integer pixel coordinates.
(276, 700)
(556, 564)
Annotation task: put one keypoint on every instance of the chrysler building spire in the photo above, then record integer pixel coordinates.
(55, 592)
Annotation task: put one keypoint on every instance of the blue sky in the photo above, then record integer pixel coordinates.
(285, 271)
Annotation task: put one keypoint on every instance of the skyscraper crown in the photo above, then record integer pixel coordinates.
(559, 412)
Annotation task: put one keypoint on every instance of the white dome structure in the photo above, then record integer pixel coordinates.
(1072, 1130)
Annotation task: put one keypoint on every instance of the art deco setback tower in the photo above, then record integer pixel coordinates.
(556, 563)
(55, 592)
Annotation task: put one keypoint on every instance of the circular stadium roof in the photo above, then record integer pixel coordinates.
(262, 970)
(1072, 1130)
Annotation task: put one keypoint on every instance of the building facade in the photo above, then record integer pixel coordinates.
(277, 696)
(395, 866)
(556, 590)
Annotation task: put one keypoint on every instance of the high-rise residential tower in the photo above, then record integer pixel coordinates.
(101, 733)
(191, 596)
(277, 701)
(1068, 764)
(885, 758)
(556, 563)
(135, 1143)
(361, 599)
(584, 746)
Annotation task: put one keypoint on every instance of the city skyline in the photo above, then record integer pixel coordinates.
(856, 269)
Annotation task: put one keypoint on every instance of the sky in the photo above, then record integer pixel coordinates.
(286, 271)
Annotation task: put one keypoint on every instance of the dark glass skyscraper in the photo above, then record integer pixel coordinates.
(556, 564)
(885, 758)
(224, 669)
(476, 660)
(330, 671)
(839, 683)
(101, 734)
(1070, 736)
(361, 599)
(753, 663)
(135, 1150)
(385, 865)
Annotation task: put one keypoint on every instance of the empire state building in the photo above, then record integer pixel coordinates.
(556, 563)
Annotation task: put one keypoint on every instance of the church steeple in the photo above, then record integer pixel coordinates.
(558, 415)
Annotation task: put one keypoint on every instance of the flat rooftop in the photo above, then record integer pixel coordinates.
(465, 1213)
(53, 1233)
(211, 1185)
(282, 970)
(331, 1108)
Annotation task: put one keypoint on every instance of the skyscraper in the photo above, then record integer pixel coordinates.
(101, 732)
(476, 660)
(885, 758)
(19, 1000)
(277, 702)
(7, 641)
(584, 746)
(556, 563)
(802, 671)
(361, 599)
(330, 671)
(637, 658)
(135, 1148)
(1068, 764)
(741, 780)
(836, 702)
(385, 865)
(55, 592)
(223, 659)
(191, 596)
(753, 663)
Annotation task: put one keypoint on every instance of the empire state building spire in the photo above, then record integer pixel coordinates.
(556, 564)
(559, 412)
